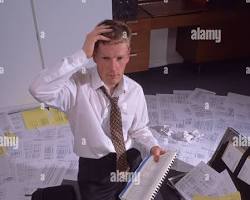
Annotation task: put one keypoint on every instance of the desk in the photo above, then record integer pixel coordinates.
(182, 15)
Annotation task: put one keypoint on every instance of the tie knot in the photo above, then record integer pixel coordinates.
(113, 100)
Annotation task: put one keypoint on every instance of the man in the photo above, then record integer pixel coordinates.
(106, 109)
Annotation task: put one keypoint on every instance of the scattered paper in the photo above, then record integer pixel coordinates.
(57, 117)
(37, 118)
(5, 122)
(231, 157)
(186, 111)
(17, 121)
(153, 110)
(196, 182)
(224, 185)
(233, 196)
(189, 122)
(244, 174)
(12, 191)
(200, 96)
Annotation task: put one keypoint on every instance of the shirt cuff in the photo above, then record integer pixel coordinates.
(78, 58)
(150, 143)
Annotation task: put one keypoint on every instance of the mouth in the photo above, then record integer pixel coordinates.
(113, 75)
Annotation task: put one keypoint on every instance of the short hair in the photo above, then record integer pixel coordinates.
(121, 33)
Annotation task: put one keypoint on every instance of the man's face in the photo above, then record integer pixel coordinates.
(111, 60)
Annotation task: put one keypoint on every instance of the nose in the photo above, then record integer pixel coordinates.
(114, 64)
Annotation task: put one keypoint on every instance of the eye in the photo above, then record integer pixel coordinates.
(119, 58)
(105, 58)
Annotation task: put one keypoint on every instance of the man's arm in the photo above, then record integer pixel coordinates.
(140, 131)
(55, 86)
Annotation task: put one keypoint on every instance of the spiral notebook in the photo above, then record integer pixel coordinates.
(147, 179)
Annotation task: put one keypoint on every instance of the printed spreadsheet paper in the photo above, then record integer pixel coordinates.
(151, 175)
(204, 180)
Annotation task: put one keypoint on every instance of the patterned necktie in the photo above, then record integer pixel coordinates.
(116, 133)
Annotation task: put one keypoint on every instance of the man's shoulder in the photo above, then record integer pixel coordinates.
(83, 75)
(132, 84)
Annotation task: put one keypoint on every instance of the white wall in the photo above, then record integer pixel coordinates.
(65, 24)
(158, 47)
(19, 53)
(172, 55)
(162, 48)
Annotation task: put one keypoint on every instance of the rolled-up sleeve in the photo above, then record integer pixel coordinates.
(54, 86)
(139, 130)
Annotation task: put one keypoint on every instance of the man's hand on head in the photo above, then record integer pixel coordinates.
(93, 37)
(156, 151)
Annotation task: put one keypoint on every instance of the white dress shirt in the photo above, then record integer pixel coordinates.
(75, 90)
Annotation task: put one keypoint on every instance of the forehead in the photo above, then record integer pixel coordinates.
(113, 49)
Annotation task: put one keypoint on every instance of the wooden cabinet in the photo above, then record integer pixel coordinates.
(234, 43)
(140, 45)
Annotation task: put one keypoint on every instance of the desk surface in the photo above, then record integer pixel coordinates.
(178, 13)
(173, 7)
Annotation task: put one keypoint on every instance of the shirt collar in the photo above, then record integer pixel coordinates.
(122, 87)
(97, 82)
